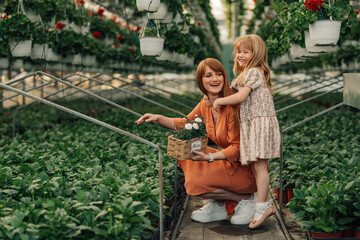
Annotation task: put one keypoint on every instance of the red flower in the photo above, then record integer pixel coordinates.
(114, 17)
(5, 16)
(357, 11)
(116, 46)
(198, 24)
(93, 112)
(313, 4)
(100, 12)
(79, 2)
(120, 37)
(96, 35)
(90, 13)
(131, 49)
(137, 29)
(117, 22)
(59, 26)
(7, 114)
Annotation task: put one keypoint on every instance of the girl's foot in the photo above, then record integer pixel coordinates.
(262, 211)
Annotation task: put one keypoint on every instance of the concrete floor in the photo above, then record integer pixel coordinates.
(190, 230)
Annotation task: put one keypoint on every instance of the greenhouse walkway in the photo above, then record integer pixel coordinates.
(190, 230)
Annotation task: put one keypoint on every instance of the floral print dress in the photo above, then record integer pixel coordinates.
(259, 127)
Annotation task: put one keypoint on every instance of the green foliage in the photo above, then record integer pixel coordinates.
(17, 28)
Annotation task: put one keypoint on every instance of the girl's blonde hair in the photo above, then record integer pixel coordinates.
(258, 47)
(217, 66)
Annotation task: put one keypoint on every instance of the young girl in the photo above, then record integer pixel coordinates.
(259, 128)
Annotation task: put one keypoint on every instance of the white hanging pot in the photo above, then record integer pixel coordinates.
(4, 63)
(178, 18)
(17, 64)
(325, 32)
(311, 48)
(90, 61)
(39, 51)
(21, 49)
(151, 46)
(32, 16)
(160, 13)
(77, 59)
(148, 5)
(168, 17)
(75, 28)
(166, 55)
(296, 51)
(52, 56)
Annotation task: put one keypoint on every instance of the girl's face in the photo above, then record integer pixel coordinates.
(213, 81)
(243, 56)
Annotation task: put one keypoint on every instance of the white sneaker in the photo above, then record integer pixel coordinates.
(244, 211)
(210, 212)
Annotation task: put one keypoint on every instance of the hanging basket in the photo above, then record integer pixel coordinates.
(311, 48)
(160, 13)
(182, 149)
(148, 5)
(151, 46)
(39, 51)
(21, 49)
(325, 32)
(297, 52)
(4, 63)
(168, 17)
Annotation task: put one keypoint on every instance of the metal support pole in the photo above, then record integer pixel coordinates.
(282, 148)
(308, 99)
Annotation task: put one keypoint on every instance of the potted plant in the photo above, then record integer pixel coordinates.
(321, 209)
(151, 44)
(18, 31)
(324, 19)
(148, 5)
(192, 136)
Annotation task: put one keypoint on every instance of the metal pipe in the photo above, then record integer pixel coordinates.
(296, 90)
(136, 95)
(308, 92)
(281, 143)
(108, 126)
(126, 83)
(305, 100)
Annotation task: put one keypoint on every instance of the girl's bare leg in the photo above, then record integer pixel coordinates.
(262, 179)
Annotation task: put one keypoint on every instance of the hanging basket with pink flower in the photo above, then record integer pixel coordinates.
(192, 136)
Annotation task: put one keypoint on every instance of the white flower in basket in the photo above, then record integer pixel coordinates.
(187, 139)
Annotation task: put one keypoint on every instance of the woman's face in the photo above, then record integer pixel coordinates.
(213, 81)
(243, 56)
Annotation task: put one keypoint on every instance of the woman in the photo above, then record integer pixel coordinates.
(216, 175)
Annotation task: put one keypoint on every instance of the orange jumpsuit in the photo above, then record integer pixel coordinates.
(201, 176)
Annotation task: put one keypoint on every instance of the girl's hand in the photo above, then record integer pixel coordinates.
(216, 105)
(148, 117)
(200, 156)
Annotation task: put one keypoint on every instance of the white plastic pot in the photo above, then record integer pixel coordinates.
(168, 17)
(17, 64)
(166, 55)
(160, 13)
(297, 52)
(39, 51)
(151, 46)
(4, 63)
(52, 56)
(310, 47)
(32, 16)
(148, 5)
(21, 49)
(325, 32)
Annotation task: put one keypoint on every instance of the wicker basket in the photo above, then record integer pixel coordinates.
(181, 149)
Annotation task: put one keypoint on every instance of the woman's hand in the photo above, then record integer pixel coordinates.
(200, 156)
(148, 117)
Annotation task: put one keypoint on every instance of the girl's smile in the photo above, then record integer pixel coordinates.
(243, 56)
